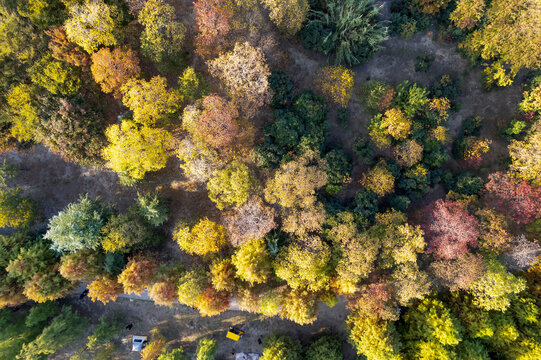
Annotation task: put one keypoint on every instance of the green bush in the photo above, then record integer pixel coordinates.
(338, 170)
(114, 263)
(423, 63)
(435, 154)
(287, 129)
(448, 87)
(399, 202)
(410, 98)
(104, 332)
(62, 331)
(206, 349)
(467, 184)
(366, 204)
(268, 154)
(16, 211)
(325, 348)
(282, 89)
(281, 347)
(406, 19)
(153, 208)
(350, 29)
(40, 313)
(343, 118)
(364, 149)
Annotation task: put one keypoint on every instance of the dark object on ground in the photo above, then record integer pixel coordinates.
(83, 294)
(129, 326)
(259, 341)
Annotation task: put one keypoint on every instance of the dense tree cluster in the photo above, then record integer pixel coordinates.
(435, 252)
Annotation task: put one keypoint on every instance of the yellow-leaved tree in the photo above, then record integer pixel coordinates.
(203, 238)
(288, 15)
(335, 83)
(510, 35)
(134, 150)
(150, 101)
(253, 262)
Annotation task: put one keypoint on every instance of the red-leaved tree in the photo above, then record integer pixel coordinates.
(450, 230)
(213, 23)
(518, 199)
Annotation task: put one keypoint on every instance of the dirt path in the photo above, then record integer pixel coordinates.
(183, 326)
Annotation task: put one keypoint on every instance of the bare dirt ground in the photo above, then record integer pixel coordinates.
(54, 183)
(183, 326)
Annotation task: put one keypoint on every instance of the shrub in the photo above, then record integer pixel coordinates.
(349, 29)
(40, 313)
(126, 232)
(376, 96)
(111, 69)
(282, 89)
(223, 274)
(217, 123)
(104, 332)
(23, 109)
(251, 220)
(192, 85)
(287, 15)
(281, 347)
(325, 348)
(450, 230)
(373, 337)
(305, 264)
(191, 285)
(78, 226)
(152, 207)
(151, 101)
(423, 63)
(364, 149)
(137, 274)
(81, 265)
(206, 349)
(212, 302)
(338, 169)
(379, 179)
(244, 73)
(411, 98)
(16, 210)
(335, 83)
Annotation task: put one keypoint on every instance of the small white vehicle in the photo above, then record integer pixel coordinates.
(139, 342)
(246, 356)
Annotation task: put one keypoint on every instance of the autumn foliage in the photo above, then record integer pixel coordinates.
(217, 124)
(213, 20)
(111, 69)
(450, 230)
(516, 198)
(137, 274)
(335, 83)
(104, 289)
